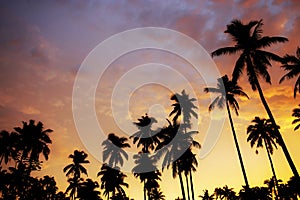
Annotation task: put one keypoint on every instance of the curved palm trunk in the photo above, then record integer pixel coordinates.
(273, 170)
(280, 139)
(192, 186)
(187, 186)
(237, 146)
(182, 187)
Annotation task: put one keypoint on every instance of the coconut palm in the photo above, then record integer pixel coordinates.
(34, 141)
(183, 106)
(261, 134)
(114, 150)
(292, 65)
(112, 180)
(296, 113)
(225, 193)
(156, 194)
(76, 168)
(227, 91)
(250, 43)
(146, 171)
(88, 190)
(145, 137)
(8, 146)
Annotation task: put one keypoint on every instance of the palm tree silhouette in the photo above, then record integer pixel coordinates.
(145, 137)
(206, 196)
(112, 180)
(261, 134)
(292, 65)
(156, 194)
(74, 171)
(225, 193)
(8, 146)
(34, 140)
(146, 171)
(296, 113)
(227, 91)
(87, 190)
(113, 150)
(184, 107)
(249, 43)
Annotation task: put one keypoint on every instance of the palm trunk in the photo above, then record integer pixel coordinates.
(273, 170)
(187, 186)
(192, 186)
(237, 146)
(280, 139)
(182, 186)
(144, 191)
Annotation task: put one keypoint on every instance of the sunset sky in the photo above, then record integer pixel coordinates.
(43, 44)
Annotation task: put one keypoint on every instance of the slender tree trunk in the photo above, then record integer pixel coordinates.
(187, 186)
(273, 170)
(108, 196)
(237, 146)
(280, 139)
(144, 191)
(182, 186)
(192, 186)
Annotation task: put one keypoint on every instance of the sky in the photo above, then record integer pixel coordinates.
(44, 43)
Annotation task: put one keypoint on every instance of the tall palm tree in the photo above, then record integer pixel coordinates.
(114, 150)
(261, 134)
(146, 171)
(227, 91)
(112, 180)
(296, 113)
(207, 196)
(292, 65)
(34, 140)
(74, 170)
(183, 106)
(250, 43)
(145, 137)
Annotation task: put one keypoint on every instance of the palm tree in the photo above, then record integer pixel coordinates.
(145, 137)
(156, 194)
(88, 190)
(296, 113)
(113, 150)
(261, 134)
(184, 107)
(74, 186)
(74, 170)
(292, 64)
(225, 193)
(34, 140)
(8, 146)
(250, 44)
(146, 171)
(227, 91)
(206, 196)
(112, 180)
